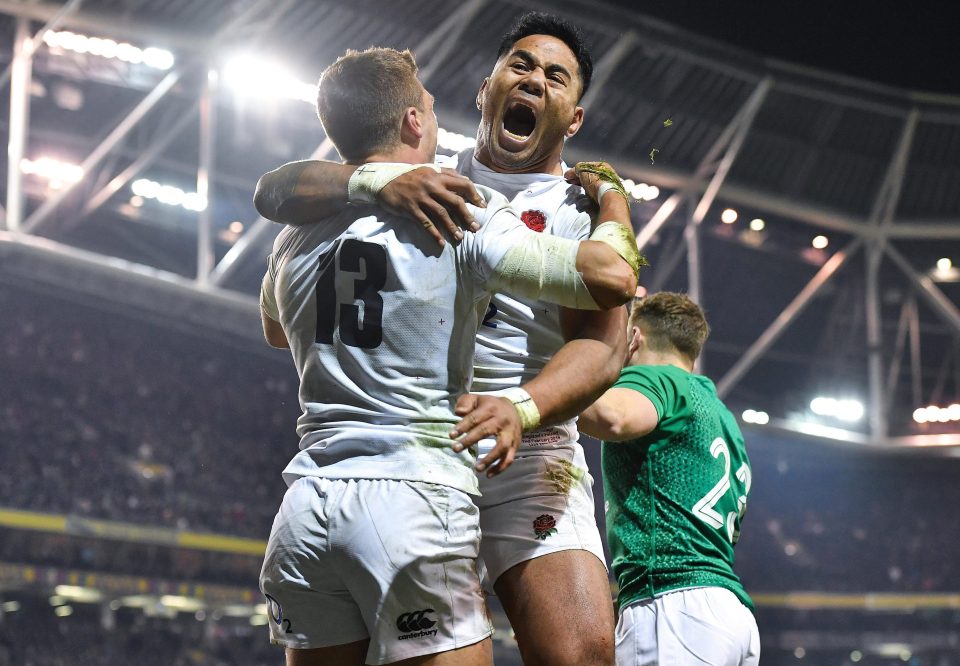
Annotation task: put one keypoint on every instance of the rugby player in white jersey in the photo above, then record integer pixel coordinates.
(372, 556)
(541, 545)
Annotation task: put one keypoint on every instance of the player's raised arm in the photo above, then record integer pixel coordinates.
(304, 192)
(611, 223)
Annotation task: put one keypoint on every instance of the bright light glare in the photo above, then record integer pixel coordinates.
(641, 191)
(856, 656)
(11, 606)
(78, 593)
(157, 58)
(757, 224)
(944, 264)
(63, 611)
(729, 216)
(843, 410)
(65, 40)
(755, 416)
(820, 242)
(257, 77)
(52, 170)
(170, 195)
(453, 141)
(935, 414)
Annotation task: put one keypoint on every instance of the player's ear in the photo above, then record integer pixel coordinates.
(575, 124)
(411, 128)
(636, 339)
(480, 93)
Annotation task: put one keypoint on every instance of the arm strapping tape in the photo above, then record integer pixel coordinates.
(544, 267)
(623, 242)
(367, 181)
(525, 406)
(606, 188)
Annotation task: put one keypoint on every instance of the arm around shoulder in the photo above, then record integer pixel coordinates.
(302, 192)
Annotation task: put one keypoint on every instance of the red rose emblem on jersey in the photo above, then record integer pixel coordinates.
(534, 219)
(544, 526)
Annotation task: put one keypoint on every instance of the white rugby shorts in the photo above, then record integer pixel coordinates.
(542, 504)
(700, 626)
(392, 561)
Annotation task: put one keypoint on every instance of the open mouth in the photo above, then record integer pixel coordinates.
(519, 121)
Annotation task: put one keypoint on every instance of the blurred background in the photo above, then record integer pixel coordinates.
(797, 170)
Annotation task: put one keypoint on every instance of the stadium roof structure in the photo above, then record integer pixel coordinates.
(141, 126)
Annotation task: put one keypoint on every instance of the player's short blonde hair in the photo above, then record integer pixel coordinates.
(671, 322)
(362, 97)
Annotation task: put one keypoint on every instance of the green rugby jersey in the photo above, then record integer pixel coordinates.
(675, 498)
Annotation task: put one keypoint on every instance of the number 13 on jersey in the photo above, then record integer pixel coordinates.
(705, 509)
(368, 261)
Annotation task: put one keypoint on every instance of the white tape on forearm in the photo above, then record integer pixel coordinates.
(544, 267)
(623, 242)
(526, 407)
(367, 181)
(606, 187)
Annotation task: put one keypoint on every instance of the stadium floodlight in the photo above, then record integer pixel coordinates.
(170, 195)
(250, 76)
(641, 191)
(820, 242)
(729, 216)
(756, 224)
(848, 410)
(755, 416)
(937, 414)
(64, 40)
(181, 603)
(86, 595)
(54, 171)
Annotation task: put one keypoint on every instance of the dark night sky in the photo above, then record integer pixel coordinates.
(914, 45)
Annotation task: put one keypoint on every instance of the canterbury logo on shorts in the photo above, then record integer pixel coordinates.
(416, 624)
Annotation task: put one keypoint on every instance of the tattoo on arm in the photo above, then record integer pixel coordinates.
(277, 188)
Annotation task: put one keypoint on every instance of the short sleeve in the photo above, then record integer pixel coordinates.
(268, 297)
(666, 390)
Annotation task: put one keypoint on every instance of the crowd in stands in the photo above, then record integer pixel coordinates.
(829, 518)
(72, 553)
(35, 636)
(105, 416)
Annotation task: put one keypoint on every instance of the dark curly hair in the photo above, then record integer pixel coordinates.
(538, 23)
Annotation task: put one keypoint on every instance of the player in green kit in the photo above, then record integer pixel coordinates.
(676, 479)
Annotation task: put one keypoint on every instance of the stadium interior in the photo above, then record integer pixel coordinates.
(144, 423)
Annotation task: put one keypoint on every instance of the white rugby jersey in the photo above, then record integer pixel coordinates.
(519, 336)
(381, 323)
